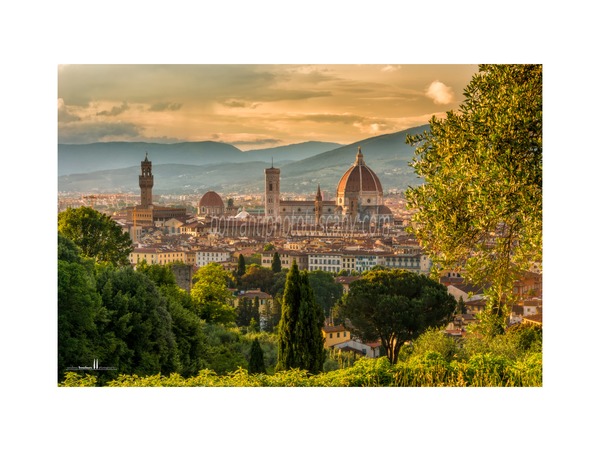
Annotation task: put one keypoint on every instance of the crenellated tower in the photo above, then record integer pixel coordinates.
(146, 183)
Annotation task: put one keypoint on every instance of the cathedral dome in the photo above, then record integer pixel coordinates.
(359, 179)
(211, 199)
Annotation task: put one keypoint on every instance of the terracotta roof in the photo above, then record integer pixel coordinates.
(211, 198)
(333, 328)
(359, 178)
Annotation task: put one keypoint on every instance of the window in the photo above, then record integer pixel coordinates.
(270, 186)
(330, 335)
(338, 335)
(344, 334)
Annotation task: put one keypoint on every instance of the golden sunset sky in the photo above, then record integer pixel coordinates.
(252, 106)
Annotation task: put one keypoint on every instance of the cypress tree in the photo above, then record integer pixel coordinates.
(300, 339)
(276, 264)
(241, 268)
(257, 360)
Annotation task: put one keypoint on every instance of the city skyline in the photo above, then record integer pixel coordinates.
(252, 106)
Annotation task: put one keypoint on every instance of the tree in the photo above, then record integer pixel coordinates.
(396, 306)
(276, 264)
(300, 340)
(137, 332)
(79, 308)
(257, 277)
(211, 295)
(257, 360)
(327, 291)
(480, 207)
(96, 234)
(241, 267)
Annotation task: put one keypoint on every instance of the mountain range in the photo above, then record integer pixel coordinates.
(196, 167)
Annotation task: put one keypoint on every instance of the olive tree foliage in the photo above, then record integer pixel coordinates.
(480, 207)
(395, 306)
(96, 234)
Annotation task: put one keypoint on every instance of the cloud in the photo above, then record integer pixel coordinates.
(64, 116)
(115, 110)
(391, 68)
(440, 93)
(232, 103)
(83, 133)
(165, 106)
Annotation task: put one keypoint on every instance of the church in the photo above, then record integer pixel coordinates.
(359, 198)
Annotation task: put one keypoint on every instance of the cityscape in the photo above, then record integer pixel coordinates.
(237, 198)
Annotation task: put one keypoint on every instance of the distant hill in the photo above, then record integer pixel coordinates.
(293, 152)
(388, 155)
(87, 158)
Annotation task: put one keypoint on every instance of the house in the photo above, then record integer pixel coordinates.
(535, 319)
(368, 349)
(335, 334)
(532, 307)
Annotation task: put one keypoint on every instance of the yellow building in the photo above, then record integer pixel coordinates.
(156, 256)
(335, 334)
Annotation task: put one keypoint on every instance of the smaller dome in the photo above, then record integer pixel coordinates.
(211, 199)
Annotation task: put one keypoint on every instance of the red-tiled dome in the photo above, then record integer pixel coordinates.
(211, 199)
(359, 178)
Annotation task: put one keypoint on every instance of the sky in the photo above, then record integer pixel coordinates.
(252, 106)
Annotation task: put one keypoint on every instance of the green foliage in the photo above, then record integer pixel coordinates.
(276, 264)
(257, 362)
(257, 277)
(79, 309)
(481, 204)
(210, 295)
(396, 306)
(137, 332)
(268, 247)
(300, 339)
(241, 267)
(96, 234)
(327, 292)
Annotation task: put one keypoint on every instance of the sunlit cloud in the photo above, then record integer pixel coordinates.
(64, 115)
(440, 93)
(115, 110)
(391, 68)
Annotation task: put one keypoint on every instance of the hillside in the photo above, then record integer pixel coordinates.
(388, 155)
(87, 158)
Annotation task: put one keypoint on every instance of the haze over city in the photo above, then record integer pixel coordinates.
(251, 106)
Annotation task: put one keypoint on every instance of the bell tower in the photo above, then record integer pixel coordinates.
(272, 192)
(318, 205)
(146, 183)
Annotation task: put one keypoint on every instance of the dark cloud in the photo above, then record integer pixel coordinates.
(115, 110)
(83, 133)
(165, 106)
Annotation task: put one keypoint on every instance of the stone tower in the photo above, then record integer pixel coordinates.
(272, 192)
(318, 205)
(146, 183)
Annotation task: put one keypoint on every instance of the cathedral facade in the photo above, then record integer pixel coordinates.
(359, 197)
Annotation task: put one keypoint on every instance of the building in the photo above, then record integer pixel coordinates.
(146, 214)
(211, 204)
(207, 255)
(359, 198)
(156, 255)
(334, 335)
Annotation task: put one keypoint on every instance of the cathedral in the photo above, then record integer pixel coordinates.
(359, 197)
